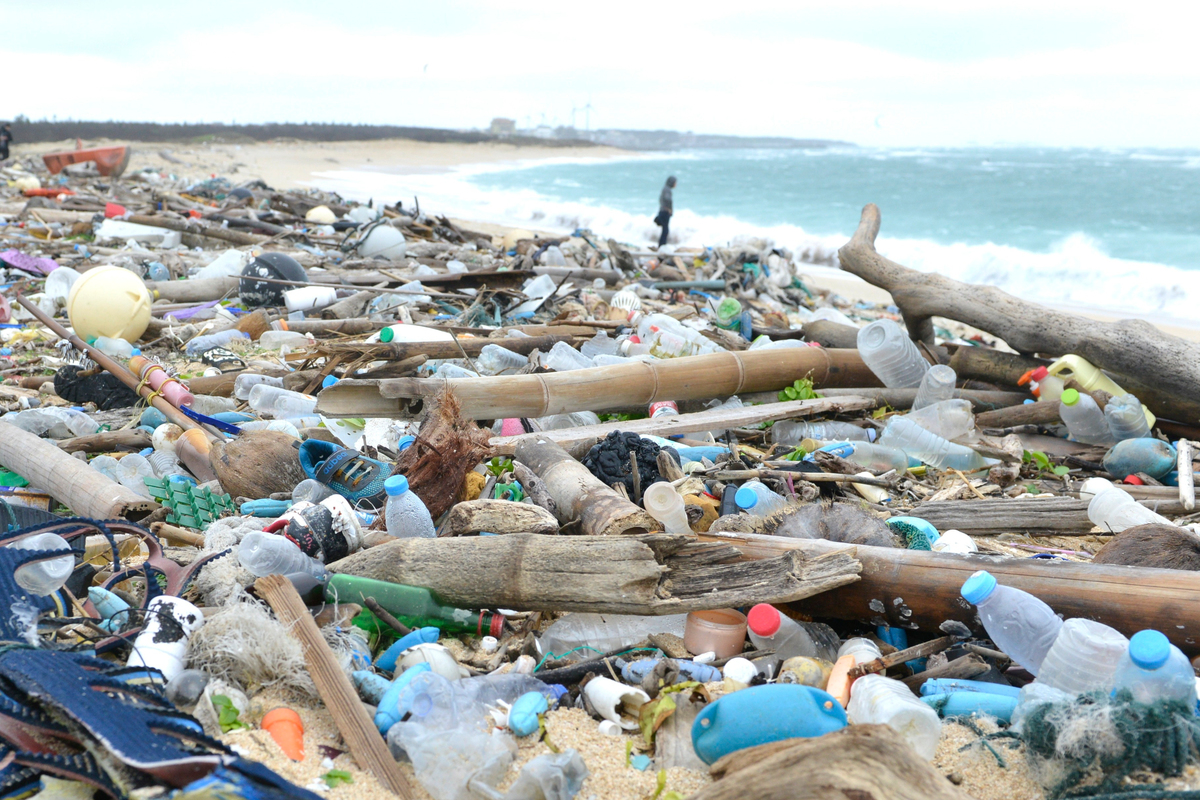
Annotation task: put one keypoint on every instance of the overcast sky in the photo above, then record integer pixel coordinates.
(887, 73)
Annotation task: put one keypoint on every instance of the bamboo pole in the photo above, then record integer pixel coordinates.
(122, 373)
(1187, 483)
(602, 388)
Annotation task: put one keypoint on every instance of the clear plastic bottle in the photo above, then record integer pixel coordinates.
(496, 360)
(1126, 418)
(447, 370)
(1114, 510)
(115, 348)
(877, 700)
(930, 448)
(1020, 624)
(563, 357)
(950, 419)
(273, 340)
(269, 554)
(1045, 387)
(863, 650)
(59, 283)
(793, 432)
(877, 457)
(310, 490)
(280, 403)
(246, 381)
(407, 332)
(755, 498)
(407, 517)
(1153, 669)
(599, 345)
(936, 386)
(202, 344)
(575, 419)
(604, 632)
(164, 463)
(282, 425)
(44, 577)
(889, 353)
(1084, 419)
(1083, 658)
(769, 629)
(667, 337)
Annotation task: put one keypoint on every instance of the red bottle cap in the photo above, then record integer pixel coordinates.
(1039, 373)
(764, 619)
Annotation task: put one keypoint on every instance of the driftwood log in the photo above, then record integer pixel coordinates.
(991, 365)
(921, 589)
(497, 516)
(1043, 516)
(647, 575)
(106, 441)
(862, 762)
(1128, 347)
(578, 494)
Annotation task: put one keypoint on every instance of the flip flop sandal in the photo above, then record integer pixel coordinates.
(348, 472)
(224, 360)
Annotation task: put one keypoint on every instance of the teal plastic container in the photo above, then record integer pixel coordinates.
(1152, 456)
(965, 704)
(762, 714)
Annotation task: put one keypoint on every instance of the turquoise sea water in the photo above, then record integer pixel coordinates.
(1112, 229)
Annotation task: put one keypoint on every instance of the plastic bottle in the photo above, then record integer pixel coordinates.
(116, 348)
(769, 629)
(407, 332)
(270, 554)
(228, 264)
(273, 340)
(310, 490)
(930, 448)
(1083, 418)
(950, 419)
(889, 353)
(667, 337)
(496, 360)
(877, 700)
(407, 517)
(280, 403)
(1114, 510)
(202, 344)
(413, 606)
(59, 283)
(875, 457)
(755, 498)
(1020, 624)
(246, 381)
(664, 504)
(563, 357)
(603, 633)
(1045, 387)
(936, 386)
(1083, 658)
(44, 577)
(163, 642)
(1153, 669)
(600, 344)
(448, 371)
(792, 432)
(861, 649)
(281, 425)
(1125, 418)
(193, 448)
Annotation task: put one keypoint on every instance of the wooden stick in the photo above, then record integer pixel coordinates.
(1187, 484)
(900, 656)
(349, 714)
(386, 616)
(177, 534)
(211, 231)
(106, 441)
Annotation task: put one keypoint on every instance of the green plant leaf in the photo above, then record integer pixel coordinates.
(336, 777)
(227, 714)
(654, 714)
(1040, 458)
(1061, 469)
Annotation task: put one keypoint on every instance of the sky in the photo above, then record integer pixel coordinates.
(1091, 74)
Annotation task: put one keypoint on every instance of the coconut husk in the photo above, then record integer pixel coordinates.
(254, 325)
(257, 464)
(447, 448)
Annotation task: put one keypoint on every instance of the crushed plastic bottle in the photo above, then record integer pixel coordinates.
(936, 386)
(1021, 625)
(497, 360)
(1126, 419)
(877, 700)
(930, 448)
(269, 554)
(889, 353)
(791, 432)
(949, 419)
(1083, 658)
(603, 633)
(407, 517)
(1114, 510)
(562, 357)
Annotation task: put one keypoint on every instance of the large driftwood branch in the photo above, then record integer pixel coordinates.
(861, 762)
(497, 516)
(1128, 347)
(648, 575)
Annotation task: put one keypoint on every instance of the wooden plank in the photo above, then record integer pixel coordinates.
(348, 712)
(715, 419)
(1040, 516)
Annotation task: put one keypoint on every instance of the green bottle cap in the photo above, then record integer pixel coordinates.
(1070, 397)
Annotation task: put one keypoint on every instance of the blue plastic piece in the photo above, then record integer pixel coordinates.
(896, 637)
(923, 525)
(523, 716)
(388, 658)
(404, 442)
(745, 498)
(711, 452)
(265, 508)
(1152, 456)
(146, 452)
(152, 418)
(964, 704)
(107, 604)
(640, 762)
(389, 712)
(635, 671)
(978, 587)
(948, 685)
(762, 714)
(371, 687)
(233, 417)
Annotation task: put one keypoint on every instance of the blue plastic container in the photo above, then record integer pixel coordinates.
(764, 714)
(1152, 456)
(964, 704)
(946, 685)
(523, 716)
(388, 658)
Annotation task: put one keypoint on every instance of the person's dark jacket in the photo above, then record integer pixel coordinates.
(665, 202)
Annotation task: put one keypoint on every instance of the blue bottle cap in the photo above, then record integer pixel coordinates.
(1149, 649)
(136, 352)
(978, 587)
(329, 381)
(404, 442)
(745, 498)
(397, 484)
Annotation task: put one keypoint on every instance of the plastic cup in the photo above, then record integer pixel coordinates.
(721, 631)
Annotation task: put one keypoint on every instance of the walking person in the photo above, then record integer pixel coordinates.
(5, 140)
(666, 207)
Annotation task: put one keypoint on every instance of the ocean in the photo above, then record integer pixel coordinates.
(1112, 230)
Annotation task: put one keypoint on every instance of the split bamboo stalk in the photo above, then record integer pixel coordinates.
(1187, 483)
(53, 471)
(602, 388)
(348, 712)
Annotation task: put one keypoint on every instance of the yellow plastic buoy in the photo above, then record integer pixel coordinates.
(109, 301)
(321, 215)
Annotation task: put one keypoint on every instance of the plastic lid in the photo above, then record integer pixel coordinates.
(404, 442)
(137, 351)
(978, 587)
(872, 434)
(329, 381)
(745, 498)
(1149, 649)
(1039, 373)
(397, 484)
(764, 619)
(1070, 397)
(386, 335)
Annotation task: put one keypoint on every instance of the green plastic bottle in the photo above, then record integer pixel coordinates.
(729, 311)
(413, 606)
